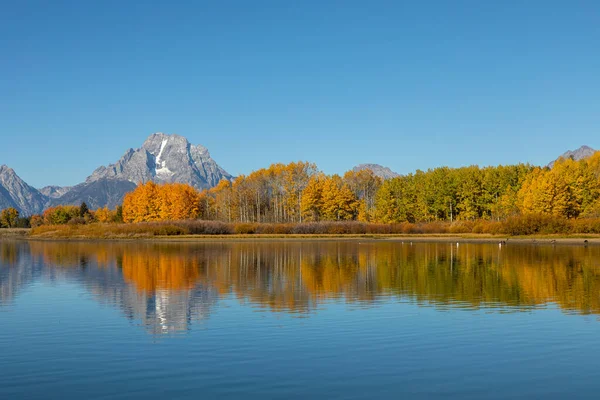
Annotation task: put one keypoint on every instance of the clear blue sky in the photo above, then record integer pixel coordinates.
(404, 84)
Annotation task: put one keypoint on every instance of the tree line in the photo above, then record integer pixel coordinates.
(298, 193)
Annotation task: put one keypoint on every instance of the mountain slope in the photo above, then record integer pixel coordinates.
(97, 194)
(14, 192)
(378, 170)
(162, 158)
(165, 158)
(577, 154)
(54, 192)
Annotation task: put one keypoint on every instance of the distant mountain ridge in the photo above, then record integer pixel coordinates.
(14, 192)
(378, 170)
(577, 154)
(162, 158)
(97, 194)
(54, 192)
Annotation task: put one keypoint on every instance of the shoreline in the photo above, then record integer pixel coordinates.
(582, 240)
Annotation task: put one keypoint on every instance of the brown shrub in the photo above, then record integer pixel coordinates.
(586, 225)
(488, 227)
(461, 227)
(245, 228)
(531, 224)
(207, 227)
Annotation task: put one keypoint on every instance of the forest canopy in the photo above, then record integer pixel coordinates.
(298, 193)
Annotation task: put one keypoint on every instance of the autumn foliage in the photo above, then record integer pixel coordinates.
(514, 199)
(292, 193)
(9, 217)
(168, 202)
(60, 215)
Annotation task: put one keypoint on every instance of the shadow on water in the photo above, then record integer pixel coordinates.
(167, 286)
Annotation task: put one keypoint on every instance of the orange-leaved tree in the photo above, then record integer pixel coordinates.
(165, 202)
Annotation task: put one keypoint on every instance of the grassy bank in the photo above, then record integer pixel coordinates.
(522, 226)
(14, 232)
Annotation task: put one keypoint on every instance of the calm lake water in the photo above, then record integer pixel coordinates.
(335, 319)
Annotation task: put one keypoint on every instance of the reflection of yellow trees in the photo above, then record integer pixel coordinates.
(149, 267)
(153, 270)
(569, 277)
(263, 274)
(74, 254)
(8, 253)
(338, 274)
(295, 276)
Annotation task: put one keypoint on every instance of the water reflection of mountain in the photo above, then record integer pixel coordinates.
(16, 270)
(167, 286)
(159, 311)
(99, 269)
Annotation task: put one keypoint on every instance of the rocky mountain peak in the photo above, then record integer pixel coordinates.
(577, 154)
(378, 170)
(167, 149)
(53, 191)
(14, 192)
(5, 169)
(159, 140)
(165, 158)
(162, 158)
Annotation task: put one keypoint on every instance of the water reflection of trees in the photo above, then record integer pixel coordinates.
(297, 276)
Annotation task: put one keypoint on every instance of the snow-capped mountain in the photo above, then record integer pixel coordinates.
(165, 158)
(162, 158)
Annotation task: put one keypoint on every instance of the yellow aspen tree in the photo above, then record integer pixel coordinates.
(312, 198)
(103, 215)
